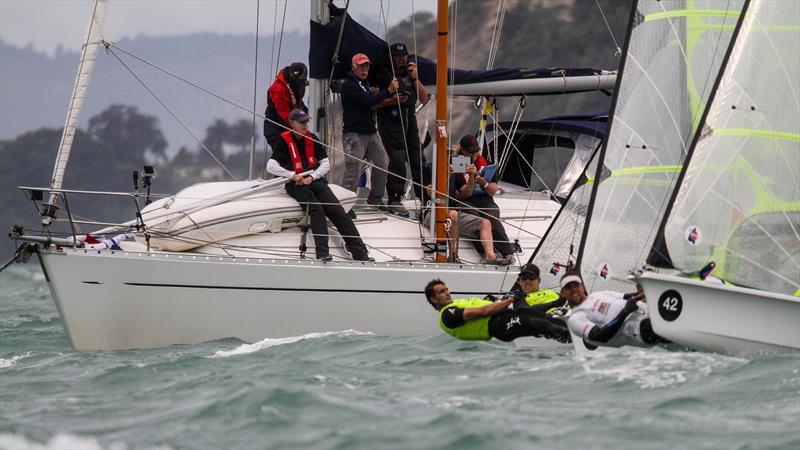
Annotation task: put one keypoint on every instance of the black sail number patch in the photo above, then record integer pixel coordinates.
(670, 305)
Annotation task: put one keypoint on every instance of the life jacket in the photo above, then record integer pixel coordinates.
(297, 163)
(541, 296)
(281, 100)
(472, 330)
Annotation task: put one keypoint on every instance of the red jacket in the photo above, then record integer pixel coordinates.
(281, 100)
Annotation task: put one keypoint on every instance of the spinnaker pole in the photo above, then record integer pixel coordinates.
(93, 41)
(439, 206)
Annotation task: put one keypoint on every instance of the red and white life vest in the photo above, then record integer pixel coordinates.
(297, 163)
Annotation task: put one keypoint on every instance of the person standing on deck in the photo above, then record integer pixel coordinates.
(474, 319)
(284, 95)
(359, 135)
(298, 151)
(397, 126)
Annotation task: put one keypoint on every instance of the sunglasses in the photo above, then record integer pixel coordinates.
(527, 277)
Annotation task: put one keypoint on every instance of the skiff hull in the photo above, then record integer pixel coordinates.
(123, 300)
(720, 318)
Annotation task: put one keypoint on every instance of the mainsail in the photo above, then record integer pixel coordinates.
(674, 53)
(739, 203)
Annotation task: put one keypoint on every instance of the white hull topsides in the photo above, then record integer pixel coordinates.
(708, 316)
(120, 300)
(258, 286)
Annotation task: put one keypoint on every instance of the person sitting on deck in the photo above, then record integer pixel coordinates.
(299, 151)
(607, 318)
(477, 189)
(474, 319)
(466, 225)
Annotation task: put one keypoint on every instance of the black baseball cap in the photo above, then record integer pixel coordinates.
(468, 143)
(299, 115)
(531, 270)
(398, 49)
(300, 71)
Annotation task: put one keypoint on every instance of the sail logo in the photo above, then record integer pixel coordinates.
(693, 235)
(554, 269)
(604, 272)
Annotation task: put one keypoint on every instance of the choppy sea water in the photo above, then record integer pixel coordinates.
(346, 389)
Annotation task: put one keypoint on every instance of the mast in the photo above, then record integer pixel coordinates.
(441, 156)
(94, 36)
(318, 92)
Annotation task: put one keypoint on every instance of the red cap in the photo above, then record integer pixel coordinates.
(360, 59)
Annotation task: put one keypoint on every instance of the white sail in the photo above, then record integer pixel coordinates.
(674, 55)
(94, 36)
(739, 204)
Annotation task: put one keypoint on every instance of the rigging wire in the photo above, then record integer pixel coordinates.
(255, 94)
(608, 27)
(272, 74)
(280, 41)
(109, 48)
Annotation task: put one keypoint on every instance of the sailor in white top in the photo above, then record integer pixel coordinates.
(607, 318)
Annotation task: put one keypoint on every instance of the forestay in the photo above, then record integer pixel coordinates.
(739, 203)
(673, 57)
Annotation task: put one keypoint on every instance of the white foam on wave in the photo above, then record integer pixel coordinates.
(61, 441)
(272, 342)
(13, 360)
(655, 369)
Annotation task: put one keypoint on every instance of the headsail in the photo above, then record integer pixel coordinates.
(673, 57)
(94, 36)
(739, 203)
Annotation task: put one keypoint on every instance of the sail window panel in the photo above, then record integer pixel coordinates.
(560, 246)
(741, 193)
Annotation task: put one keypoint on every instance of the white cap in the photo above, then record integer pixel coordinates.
(570, 279)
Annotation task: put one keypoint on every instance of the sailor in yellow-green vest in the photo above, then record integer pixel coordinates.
(474, 319)
(530, 295)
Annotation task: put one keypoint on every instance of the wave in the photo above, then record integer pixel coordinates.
(4, 363)
(61, 441)
(272, 342)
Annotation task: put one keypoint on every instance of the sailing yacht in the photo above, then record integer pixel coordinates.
(228, 259)
(735, 217)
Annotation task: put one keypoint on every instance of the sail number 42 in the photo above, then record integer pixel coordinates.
(670, 305)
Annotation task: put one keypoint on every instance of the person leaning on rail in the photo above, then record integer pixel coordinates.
(474, 319)
(607, 318)
(296, 152)
(359, 135)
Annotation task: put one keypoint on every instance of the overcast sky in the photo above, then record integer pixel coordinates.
(46, 24)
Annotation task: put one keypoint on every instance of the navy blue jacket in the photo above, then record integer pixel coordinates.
(358, 105)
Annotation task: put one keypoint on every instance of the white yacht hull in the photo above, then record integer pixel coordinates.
(123, 300)
(720, 318)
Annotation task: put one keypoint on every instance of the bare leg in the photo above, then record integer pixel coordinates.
(485, 233)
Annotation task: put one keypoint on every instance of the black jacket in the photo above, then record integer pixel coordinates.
(358, 105)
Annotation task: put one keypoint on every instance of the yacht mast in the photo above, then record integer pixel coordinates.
(94, 36)
(441, 154)
(318, 92)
